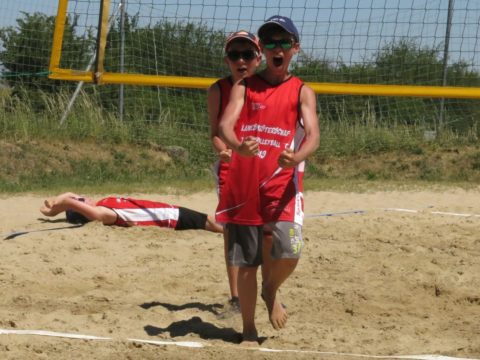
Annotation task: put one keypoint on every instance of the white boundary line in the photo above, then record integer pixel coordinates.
(346, 212)
(433, 212)
(196, 344)
(51, 333)
(412, 211)
(453, 214)
(190, 344)
(400, 210)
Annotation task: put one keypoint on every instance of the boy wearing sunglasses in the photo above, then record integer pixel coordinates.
(263, 189)
(242, 56)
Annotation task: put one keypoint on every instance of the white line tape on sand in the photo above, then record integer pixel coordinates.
(191, 344)
(433, 212)
(51, 333)
(401, 210)
(92, 337)
(412, 211)
(413, 357)
(346, 212)
(195, 344)
(453, 214)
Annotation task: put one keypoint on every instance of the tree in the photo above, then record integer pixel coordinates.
(26, 52)
(406, 62)
(164, 48)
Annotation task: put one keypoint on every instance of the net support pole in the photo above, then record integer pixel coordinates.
(81, 83)
(101, 41)
(121, 100)
(60, 20)
(441, 115)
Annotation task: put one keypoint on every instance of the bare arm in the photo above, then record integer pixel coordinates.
(68, 201)
(54, 206)
(212, 225)
(308, 112)
(247, 146)
(213, 109)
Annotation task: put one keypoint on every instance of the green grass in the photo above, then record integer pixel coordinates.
(94, 150)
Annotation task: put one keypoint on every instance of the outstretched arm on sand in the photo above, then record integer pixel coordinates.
(69, 201)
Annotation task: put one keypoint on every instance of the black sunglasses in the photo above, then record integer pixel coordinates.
(272, 44)
(246, 55)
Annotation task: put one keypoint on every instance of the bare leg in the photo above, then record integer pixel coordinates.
(232, 271)
(247, 290)
(266, 256)
(280, 271)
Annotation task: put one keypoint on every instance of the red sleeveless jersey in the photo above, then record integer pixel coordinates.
(141, 212)
(221, 167)
(257, 190)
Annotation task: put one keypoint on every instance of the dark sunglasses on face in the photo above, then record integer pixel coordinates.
(246, 55)
(272, 44)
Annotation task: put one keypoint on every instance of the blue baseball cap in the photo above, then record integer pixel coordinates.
(284, 22)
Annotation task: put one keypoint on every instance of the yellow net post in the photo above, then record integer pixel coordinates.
(101, 41)
(58, 35)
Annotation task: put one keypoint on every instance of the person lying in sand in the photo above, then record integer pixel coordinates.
(125, 211)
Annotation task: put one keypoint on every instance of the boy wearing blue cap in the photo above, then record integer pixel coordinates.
(263, 191)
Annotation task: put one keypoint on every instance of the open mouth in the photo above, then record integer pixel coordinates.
(278, 61)
(242, 70)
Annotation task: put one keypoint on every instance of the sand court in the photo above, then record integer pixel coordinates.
(382, 274)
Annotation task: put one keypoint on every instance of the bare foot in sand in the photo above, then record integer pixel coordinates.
(276, 311)
(250, 339)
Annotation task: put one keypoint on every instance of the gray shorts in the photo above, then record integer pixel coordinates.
(245, 242)
(287, 240)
